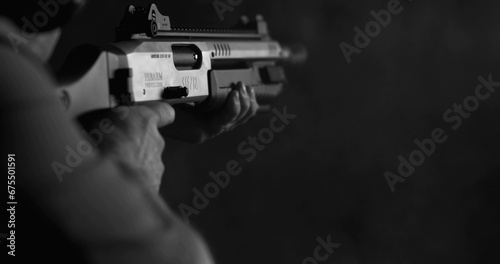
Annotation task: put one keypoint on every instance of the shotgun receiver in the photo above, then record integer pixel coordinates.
(151, 60)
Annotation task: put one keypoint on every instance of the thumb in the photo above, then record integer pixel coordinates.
(162, 112)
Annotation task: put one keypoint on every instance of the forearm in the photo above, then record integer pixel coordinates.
(119, 221)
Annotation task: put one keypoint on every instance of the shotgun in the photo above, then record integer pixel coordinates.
(152, 60)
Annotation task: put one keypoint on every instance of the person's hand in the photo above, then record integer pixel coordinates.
(132, 139)
(196, 127)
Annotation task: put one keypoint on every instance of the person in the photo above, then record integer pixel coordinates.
(107, 209)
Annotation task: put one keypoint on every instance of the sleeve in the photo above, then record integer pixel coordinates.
(114, 220)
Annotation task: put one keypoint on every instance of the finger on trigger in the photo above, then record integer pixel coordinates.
(252, 109)
(245, 102)
(231, 110)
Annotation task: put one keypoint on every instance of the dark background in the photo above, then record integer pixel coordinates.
(323, 175)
